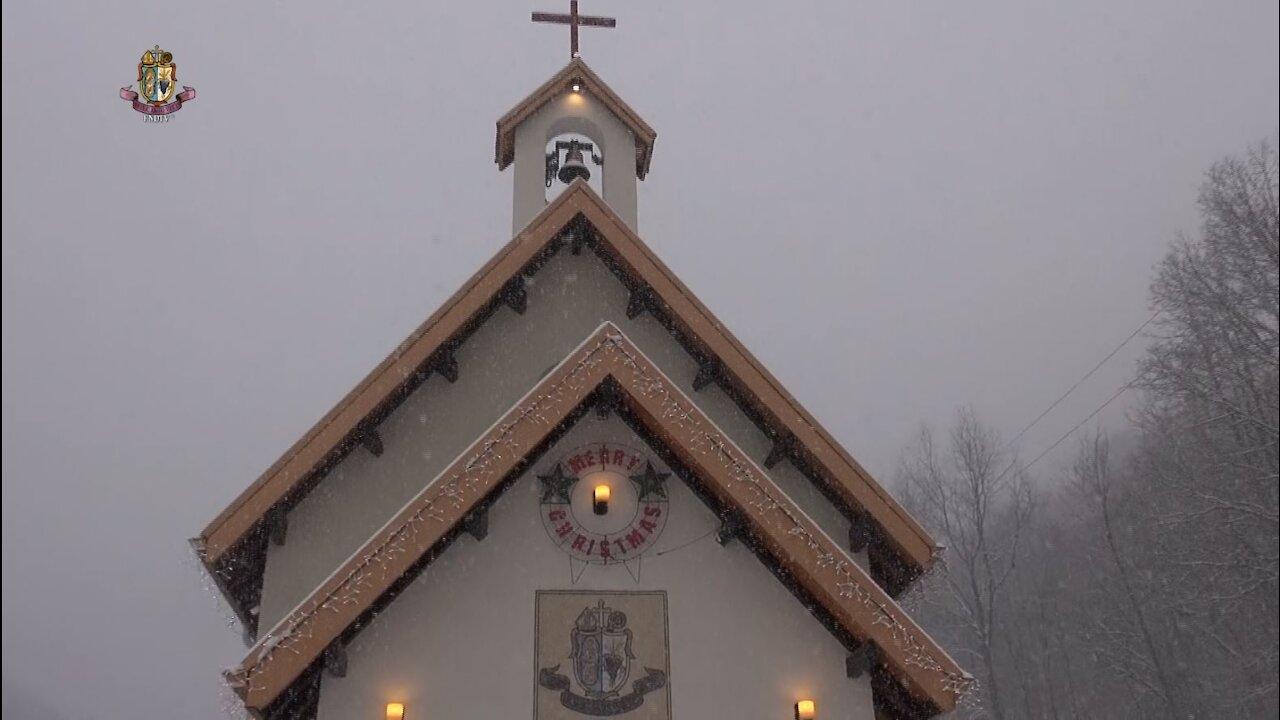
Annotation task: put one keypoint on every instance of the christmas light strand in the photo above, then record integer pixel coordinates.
(480, 473)
(780, 514)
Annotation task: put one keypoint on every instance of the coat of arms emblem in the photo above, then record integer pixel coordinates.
(614, 668)
(157, 83)
(601, 650)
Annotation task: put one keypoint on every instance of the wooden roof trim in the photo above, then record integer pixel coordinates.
(813, 441)
(504, 143)
(853, 600)
(305, 455)
(815, 444)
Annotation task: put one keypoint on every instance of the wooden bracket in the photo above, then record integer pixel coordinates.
(335, 660)
(640, 300)
(707, 374)
(860, 661)
(477, 524)
(887, 568)
(731, 528)
(371, 441)
(780, 451)
(515, 296)
(862, 530)
(446, 365)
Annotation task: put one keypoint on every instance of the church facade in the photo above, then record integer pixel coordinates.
(571, 493)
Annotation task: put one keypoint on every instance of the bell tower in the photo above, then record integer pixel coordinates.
(574, 102)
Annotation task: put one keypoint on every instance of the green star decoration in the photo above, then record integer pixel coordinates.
(556, 485)
(651, 483)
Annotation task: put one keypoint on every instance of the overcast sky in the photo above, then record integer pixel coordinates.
(899, 206)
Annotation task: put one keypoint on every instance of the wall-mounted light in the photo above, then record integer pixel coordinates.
(600, 499)
(576, 86)
(805, 710)
(395, 711)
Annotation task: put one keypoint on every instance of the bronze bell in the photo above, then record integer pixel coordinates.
(574, 165)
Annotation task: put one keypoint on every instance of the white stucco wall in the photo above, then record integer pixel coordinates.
(459, 641)
(573, 113)
(567, 300)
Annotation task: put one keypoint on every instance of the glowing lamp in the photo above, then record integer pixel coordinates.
(600, 499)
(395, 711)
(576, 86)
(805, 710)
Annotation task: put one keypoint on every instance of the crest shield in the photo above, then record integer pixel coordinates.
(158, 94)
(601, 652)
(616, 643)
(157, 75)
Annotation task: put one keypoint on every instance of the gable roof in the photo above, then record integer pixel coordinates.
(818, 564)
(505, 143)
(837, 473)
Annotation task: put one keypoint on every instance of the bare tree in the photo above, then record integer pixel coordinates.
(1145, 584)
(1093, 480)
(978, 504)
(1211, 374)
(1211, 423)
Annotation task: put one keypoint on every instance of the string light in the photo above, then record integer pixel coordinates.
(478, 475)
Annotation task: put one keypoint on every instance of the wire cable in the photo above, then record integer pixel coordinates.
(1077, 426)
(1080, 382)
(1065, 435)
(682, 546)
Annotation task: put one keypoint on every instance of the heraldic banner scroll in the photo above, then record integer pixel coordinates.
(601, 654)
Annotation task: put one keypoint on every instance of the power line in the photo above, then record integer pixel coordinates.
(1065, 435)
(682, 546)
(1080, 382)
(1077, 426)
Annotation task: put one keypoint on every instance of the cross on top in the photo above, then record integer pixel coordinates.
(573, 20)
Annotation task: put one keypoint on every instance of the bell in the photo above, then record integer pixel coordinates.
(574, 166)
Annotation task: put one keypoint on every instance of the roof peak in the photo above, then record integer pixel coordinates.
(576, 72)
(856, 603)
(802, 435)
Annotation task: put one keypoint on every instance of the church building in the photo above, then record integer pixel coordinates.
(571, 493)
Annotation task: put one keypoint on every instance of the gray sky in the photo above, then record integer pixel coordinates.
(898, 206)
